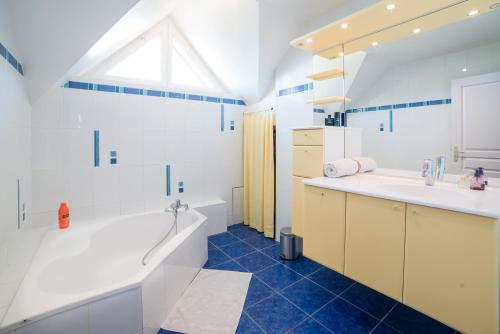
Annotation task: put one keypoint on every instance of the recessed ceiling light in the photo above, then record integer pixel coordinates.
(473, 12)
(375, 43)
(464, 69)
(341, 54)
(344, 25)
(416, 30)
(391, 7)
(309, 40)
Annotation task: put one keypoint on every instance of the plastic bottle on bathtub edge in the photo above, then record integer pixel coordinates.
(63, 216)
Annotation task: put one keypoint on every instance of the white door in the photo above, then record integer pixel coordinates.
(476, 123)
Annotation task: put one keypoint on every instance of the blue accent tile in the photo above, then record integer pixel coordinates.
(400, 106)
(435, 102)
(212, 99)
(307, 295)
(174, 95)
(113, 161)
(12, 60)
(416, 104)
(386, 107)
(216, 257)
(181, 183)
(384, 329)
(410, 321)
(247, 326)
(135, 91)
(156, 93)
(261, 242)
(20, 69)
(222, 118)
(276, 315)
(448, 101)
(180, 186)
(229, 266)
(181, 190)
(237, 249)
(241, 103)
(107, 88)
(369, 300)
(343, 318)
(257, 291)
(228, 101)
(278, 276)
(194, 97)
(78, 85)
(231, 128)
(310, 326)
(167, 177)
(112, 154)
(256, 261)
(96, 149)
(331, 280)
(390, 121)
(222, 239)
(319, 111)
(370, 108)
(3, 51)
(246, 233)
(236, 226)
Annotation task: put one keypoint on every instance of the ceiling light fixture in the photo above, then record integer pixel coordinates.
(375, 43)
(341, 54)
(309, 40)
(473, 12)
(416, 30)
(344, 25)
(464, 69)
(391, 7)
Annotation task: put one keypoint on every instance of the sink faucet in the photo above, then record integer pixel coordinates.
(430, 174)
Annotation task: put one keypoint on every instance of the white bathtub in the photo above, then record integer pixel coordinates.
(90, 279)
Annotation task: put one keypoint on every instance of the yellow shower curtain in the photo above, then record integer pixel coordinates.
(258, 171)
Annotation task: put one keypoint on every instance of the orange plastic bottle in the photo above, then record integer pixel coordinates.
(63, 216)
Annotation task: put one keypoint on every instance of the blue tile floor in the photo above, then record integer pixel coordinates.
(303, 296)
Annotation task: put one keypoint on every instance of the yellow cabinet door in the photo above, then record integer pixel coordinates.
(451, 268)
(307, 161)
(375, 243)
(324, 226)
(297, 205)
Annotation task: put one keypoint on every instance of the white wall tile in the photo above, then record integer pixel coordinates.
(154, 148)
(155, 197)
(48, 190)
(106, 185)
(47, 148)
(78, 147)
(131, 147)
(131, 189)
(79, 186)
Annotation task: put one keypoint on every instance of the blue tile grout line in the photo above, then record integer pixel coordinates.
(9, 57)
(150, 92)
(400, 106)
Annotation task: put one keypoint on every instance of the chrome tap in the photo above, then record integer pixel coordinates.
(428, 172)
(174, 207)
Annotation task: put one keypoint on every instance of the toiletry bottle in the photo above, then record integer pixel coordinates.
(63, 216)
(476, 182)
(484, 180)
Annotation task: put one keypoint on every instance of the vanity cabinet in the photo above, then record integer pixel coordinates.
(374, 243)
(324, 226)
(451, 268)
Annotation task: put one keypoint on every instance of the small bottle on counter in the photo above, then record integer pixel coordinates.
(478, 180)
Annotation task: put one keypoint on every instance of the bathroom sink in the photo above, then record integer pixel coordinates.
(437, 192)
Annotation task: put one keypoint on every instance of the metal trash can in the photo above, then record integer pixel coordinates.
(291, 244)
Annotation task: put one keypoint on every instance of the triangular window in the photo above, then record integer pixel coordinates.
(184, 70)
(144, 63)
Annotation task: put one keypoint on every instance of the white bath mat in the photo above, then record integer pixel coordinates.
(211, 304)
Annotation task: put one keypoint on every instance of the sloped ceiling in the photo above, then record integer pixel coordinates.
(52, 35)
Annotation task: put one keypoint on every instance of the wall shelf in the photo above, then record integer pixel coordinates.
(329, 100)
(328, 74)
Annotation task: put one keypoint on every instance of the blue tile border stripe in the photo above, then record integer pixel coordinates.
(295, 90)
(167, 177)
(9, 57)
(417, 104)
(390, 121)
(96, 148)
(148, 92)
(319, 111)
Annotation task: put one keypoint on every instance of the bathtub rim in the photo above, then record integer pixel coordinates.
(11, 322)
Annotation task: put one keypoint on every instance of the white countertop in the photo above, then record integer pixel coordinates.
(443, 195)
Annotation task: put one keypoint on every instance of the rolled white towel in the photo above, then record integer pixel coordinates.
(340, 167)
(365, 164)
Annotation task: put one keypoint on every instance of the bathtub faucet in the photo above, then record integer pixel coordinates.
(174, 207)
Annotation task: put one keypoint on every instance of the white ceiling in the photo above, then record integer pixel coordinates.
(52, 35)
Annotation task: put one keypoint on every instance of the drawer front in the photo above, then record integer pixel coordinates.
(308, 161)
(308, 137)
